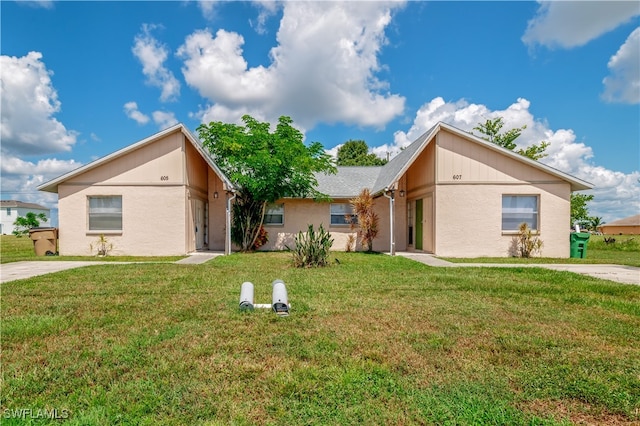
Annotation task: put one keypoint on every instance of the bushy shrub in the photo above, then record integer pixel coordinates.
(261, 239)
(312, 248)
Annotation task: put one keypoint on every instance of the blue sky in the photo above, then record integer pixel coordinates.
(83, 79)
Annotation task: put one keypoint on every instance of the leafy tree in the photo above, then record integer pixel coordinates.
(265, 166)
(579, 209)
(367, 219)
(356, 153)
(30, 220)
(491, 131)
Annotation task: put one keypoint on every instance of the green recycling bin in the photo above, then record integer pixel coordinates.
(579, 242)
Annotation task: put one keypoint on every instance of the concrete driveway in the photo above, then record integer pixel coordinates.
(27, 269)
(619, 273)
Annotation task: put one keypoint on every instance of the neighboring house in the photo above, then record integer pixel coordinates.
(10, 210)
(626, 226)
(448, 193)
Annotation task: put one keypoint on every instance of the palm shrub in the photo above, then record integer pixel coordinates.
(312, 248)
(367, 219)
(527, 243)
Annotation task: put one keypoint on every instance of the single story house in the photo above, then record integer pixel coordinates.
(10, 210)
(626, 226)
(160, 196)
(449, 193)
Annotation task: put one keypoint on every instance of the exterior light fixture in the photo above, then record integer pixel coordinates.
(215, 194)
(401, 193)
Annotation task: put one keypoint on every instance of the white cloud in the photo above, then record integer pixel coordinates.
(268, 8)
(323, 68)
(164, 119)
(616, 194)
(21, 178)
(29, 103)
(568, 24)
(131, 109)
(152, 55)
(44, 4)
(208, 9)
(623, 84)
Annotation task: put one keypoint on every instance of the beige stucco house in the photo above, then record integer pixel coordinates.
(448, 193)
(160, 196)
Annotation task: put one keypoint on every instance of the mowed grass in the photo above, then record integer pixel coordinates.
(624, 251)
(15, 249)
(372, 339)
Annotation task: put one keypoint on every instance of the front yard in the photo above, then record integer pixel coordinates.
(370, 340)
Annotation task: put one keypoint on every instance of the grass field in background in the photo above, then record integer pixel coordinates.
(372, 339)
(15, 249)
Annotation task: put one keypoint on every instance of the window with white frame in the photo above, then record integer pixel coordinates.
(274, 214)
(340, 214)
(517, 209)
(105, 213)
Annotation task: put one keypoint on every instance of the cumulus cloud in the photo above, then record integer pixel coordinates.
(567, 24)
(44, 4)
(616, 194)
(20, 178)
(152, 55)
(164, 119)
(324, 68)
(623, 83)
(132, 111)
(29, 103)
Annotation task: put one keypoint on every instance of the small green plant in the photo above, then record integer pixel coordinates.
(312, 248)
(527, 244)
(102, 246)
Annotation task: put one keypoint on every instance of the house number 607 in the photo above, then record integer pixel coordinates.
(457, 177)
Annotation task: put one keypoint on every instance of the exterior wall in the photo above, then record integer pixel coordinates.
(7, 219)
(299, 213)
(471, 180)
(468, 219)
(161, 185)
(153, 220)
(620, 230)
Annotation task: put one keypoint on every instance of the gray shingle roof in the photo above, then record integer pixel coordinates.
(394, 169)
(349, 181)
(20, 204)
(627, 221)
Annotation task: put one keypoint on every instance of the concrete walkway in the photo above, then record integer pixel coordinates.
(27, 269)
(619, 273)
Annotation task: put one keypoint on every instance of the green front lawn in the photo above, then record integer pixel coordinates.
(624, 251)
(16, 249)
(372, 339)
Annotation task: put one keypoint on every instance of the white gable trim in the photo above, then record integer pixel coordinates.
(52, 185)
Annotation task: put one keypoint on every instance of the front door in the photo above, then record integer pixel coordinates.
(199, 224)
(419, 224)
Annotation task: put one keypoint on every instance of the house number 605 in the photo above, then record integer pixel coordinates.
(457, 177)
(164, 177)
